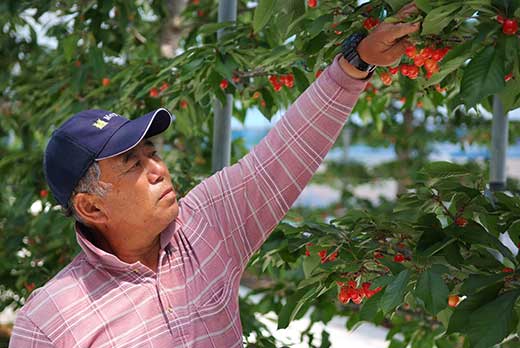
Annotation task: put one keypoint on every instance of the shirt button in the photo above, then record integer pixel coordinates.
(136, 270)
(170, 309)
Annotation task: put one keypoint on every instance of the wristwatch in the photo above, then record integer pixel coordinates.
(351, 55)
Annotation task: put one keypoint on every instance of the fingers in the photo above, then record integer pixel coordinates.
(397, 31)
(398, 49)
(406, 11)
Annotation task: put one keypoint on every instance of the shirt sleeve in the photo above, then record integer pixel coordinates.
(244, 202)
(26, 334)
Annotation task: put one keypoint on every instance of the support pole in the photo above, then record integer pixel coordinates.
(499, 140)
(221, 152)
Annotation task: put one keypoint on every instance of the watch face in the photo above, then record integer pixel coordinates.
(351, 55)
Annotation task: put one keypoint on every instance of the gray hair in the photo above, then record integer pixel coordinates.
(89, 183)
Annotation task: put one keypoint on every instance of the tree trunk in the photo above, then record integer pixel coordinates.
(172, 29)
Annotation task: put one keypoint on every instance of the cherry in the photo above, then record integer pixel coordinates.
(154, 92)
(461, 222)
(419, 60)
(183, 104)
(196, 2)
(386, 78)
(500, 19)
(510, 26)
(440, 89)
(256, 95)
(312, 3)
(508, 77)
(333, 256)
(507, 270)
(200, 13)
(262, 103)
(438, 54)
(44, 193)
(420, 104)
(77, 63)
(105, 82)
(323, 255)
(426, 52)
(370, 23)
(411, 51)
(378, 255)
(453, 301)
(29, 287)
(235, 79)
(393, 70)
(224, 84)
(164, 87)
(399, 257)
(318, 73)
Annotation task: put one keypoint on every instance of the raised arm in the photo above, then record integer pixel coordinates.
(243, 203)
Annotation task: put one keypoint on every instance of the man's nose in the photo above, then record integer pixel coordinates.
(156, 170)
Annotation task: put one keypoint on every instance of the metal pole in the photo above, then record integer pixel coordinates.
(221, 152)
(499, 140)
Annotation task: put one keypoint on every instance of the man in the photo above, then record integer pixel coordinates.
(155, 271)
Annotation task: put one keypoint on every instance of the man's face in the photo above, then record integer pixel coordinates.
(141, 198)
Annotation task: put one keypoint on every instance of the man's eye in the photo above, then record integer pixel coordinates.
(136, 164)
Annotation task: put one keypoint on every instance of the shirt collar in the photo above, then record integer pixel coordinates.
(96, 255)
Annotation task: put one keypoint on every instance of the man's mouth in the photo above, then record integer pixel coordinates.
(165, 193)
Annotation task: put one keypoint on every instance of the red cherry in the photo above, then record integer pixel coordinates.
(438, 54)
(507, 270)
(370, 22)
(405, 69)
(105, 82)
(322, 254)
(77, 63)
(333, 256)
(44, 193)
(411, 51)
(508, 77)
(256, 95)
(318, 73)
(277, 87)
(164, 87)
(262, 103)
(312, 3)
(431, 65)
(196, 2)
(426, 52)
(440, 89)
(235, 79)
(378, 255)
(500, 19)
(154, 92)
(200, 13)
(183, 104)
(393, 70)
(510, 26)
(418, 61)
(413, 72)
(453, 301)
(419, 104)
(224, 84)
(399, 257)
(29, 287)
(461, 222)
(386, 78)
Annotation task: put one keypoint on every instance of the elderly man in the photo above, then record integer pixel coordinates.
(158, 271)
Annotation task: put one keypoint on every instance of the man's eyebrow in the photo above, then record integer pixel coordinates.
(131, 153)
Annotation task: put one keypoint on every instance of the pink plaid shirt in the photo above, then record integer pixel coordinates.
(192, 301)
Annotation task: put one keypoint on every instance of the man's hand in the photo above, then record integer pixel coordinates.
(387, 43)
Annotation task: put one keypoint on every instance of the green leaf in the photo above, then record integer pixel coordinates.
(476, 282)
(432, 290)
(310, 263)
(370, 307)
(294, 304)
(263, 12)
(483, 76)
(396, 4)
(443, 169)
(463, 312)
(300, 79)
(489, 324)
(439, 18)
(394, 292)
(424, 5)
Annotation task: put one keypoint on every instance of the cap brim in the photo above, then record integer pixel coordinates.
(131, 133)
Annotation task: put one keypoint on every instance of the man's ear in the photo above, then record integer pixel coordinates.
(90, 208)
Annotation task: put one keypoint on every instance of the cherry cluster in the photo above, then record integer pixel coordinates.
(154, 92)
(350, 291)
(282, 80)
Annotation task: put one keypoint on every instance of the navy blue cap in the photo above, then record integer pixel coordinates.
(94, 135)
